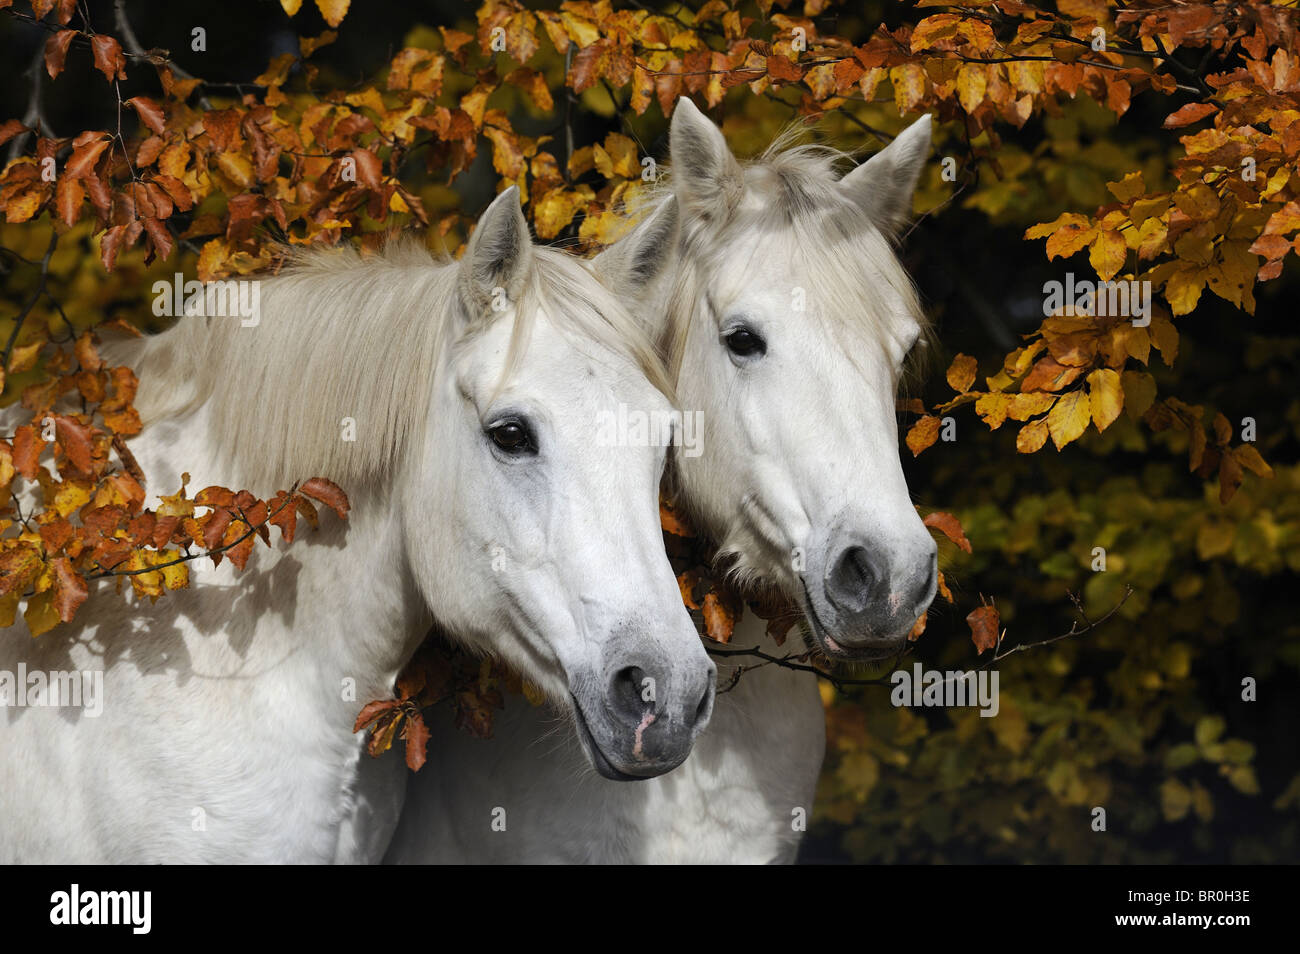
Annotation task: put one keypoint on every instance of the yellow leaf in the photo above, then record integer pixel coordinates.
(236, 168)
(622, 157)
(1250, 459)
(175, 577)
(1183, 289)
(1232, 277)
(1105, 397)
(41, 616)
(23, 358)
(909, 85)
(1139, 392)
(1198, 202)
(923, 433)
(1032, 436)
(971, 84)
(1025, 406)
(961, 374)
(1144, 209)
(333, 11)
(1068, 239)
(1129, 188)
(1068, 418)
(70, 497)
(8, 610)
(1164, 336)
(1046, 229)
(23, 207)
(1108, 253)
(291, 7)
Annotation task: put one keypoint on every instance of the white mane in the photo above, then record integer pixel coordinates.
(347, 335)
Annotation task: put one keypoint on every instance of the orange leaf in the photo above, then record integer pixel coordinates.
(782, 68)
(109, 58)
(150, 113)
(56, 51)
(328, 493)
(923, 433)
(950, 527)
(416, 735)
(961, 374)
(984, 623)
(1192, 112)
(719, 620)
(372, 711)
(69, 588)
(75, 439)
(27, 451)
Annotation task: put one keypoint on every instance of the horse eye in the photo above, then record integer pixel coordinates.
(744, 343)
(512, 437)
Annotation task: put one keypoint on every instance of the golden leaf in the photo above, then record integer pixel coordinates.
(1068, 418)
(1105, 397)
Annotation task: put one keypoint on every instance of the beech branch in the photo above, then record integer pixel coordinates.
(801, 662)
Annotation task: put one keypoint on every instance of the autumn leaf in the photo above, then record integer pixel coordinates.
(1032, 437)
(416, 734)
(1069, 418)
(150, 113)
(41, 615)
(372, 711)
(19, 566)
(56, 51)
(75, 439)
(109, 58)
(69, 590)
(719, 619)
(1250, 459)
(1105, 397)
(333, 11)
(961, 373)
(950, 527)
(923, 434)
(328, 493)
(1186, 115)
(984, 623)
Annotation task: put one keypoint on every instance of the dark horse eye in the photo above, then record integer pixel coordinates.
(744, 343)
(512, 437)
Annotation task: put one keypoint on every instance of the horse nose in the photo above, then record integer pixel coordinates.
(663, 719)
(633, 697)
(632, 694)
(856, 581)
(876, 597)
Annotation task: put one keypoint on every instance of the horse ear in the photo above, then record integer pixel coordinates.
(883, 185)
(706, 176)
(500, 253)
(629, 265)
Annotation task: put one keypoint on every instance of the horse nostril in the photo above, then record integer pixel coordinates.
(631, 694)
(854, 580)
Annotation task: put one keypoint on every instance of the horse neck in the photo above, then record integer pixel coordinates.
(338, 604)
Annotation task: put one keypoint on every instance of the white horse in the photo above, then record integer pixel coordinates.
(481, 496)
(787, 317)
